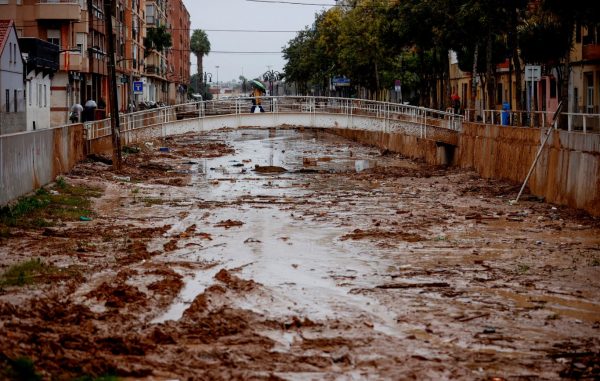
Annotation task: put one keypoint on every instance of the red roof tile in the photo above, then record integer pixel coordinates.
(5, 26)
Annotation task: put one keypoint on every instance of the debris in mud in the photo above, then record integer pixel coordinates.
(269, 169)
(135, 307)
(390, 286)
(228, 224)
(233, 282)
(359, 234)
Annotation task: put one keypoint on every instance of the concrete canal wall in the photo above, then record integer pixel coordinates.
(568, 172)
(29, 160)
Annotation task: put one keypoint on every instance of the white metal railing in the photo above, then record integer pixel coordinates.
(385, 111)
(583, 122)
(573, 122)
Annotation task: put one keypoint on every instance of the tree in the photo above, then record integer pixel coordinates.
(200, 47)
(157, 39)
(300, 56)
(560, 18)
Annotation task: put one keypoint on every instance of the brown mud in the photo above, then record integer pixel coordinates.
(367, 266)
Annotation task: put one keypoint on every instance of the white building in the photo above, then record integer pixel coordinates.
(12, 91)
(42, 61)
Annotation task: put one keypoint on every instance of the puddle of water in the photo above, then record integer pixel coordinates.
(296, 260)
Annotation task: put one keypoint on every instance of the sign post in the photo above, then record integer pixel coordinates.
(533, 74)
(138, 87)
(398, 89)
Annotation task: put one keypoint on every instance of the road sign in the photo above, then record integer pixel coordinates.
(341, 81)
(533, 73)
(138, 87)
(398, 85)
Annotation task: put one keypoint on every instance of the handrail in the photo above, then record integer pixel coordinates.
(350, 107)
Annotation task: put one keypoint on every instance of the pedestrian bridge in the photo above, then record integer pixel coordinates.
(306, 112)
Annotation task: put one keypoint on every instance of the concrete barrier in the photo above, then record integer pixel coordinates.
(568, 172)
(29, 160)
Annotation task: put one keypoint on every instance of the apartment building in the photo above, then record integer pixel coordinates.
(77, 28)
(178, 56)
(156, 86)
(130, 30)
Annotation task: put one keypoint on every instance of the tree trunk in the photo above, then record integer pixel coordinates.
(376, 82)
(423, 80)
(489, 75)
(516, 64)
(474, 81)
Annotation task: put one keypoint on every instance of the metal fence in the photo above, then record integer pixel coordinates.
(572, 122)
(280, 105)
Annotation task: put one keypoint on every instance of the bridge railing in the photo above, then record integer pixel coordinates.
(348, 107)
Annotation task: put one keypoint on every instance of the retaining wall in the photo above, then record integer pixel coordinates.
(567, 173)
(29, 160)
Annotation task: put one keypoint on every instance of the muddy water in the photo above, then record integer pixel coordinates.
(330, 260)
(296, 258)
(475, 262)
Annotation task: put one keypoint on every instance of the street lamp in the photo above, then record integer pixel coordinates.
(207, 78)
(218, 89)
(271, 76)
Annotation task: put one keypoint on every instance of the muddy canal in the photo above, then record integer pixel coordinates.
(295, 255)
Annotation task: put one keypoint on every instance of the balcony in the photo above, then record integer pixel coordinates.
(71, 61)
(591, 52)
(58, 10)
(41, 55)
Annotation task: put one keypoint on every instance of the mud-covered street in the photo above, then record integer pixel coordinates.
(296, 255)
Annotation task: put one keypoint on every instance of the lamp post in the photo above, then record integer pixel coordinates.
(218, 89)
(271, 76)
(207, 78)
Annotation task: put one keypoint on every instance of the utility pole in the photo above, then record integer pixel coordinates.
(112, 94)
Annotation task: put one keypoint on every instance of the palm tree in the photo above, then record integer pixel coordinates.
(200, 46)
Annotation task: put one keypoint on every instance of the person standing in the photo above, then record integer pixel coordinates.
(455, 103)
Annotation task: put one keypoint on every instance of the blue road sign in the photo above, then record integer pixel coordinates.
(138, 87)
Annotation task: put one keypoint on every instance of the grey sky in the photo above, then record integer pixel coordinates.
(242, 14)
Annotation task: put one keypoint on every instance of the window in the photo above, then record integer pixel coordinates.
(29, 88)
(15, 97)
(81, 37)
(10, 52)
(7, 99)
(54, 36)
(45, 97)
(39, 95)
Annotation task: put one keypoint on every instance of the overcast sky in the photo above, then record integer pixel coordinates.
(243, 14)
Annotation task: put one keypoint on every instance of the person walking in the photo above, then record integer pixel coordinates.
(90, 110)
(256, 101)
(75, 114)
